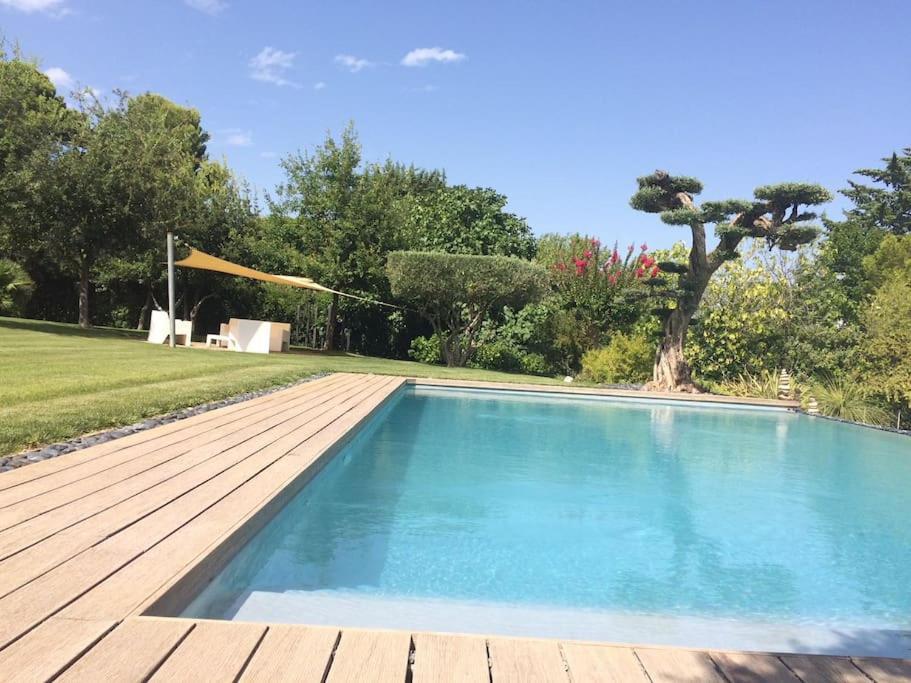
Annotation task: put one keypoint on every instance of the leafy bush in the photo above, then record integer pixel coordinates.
(626, 358)
(535, 364)
(498, 355)
(426, 350)
(15, 287)
(848, 400)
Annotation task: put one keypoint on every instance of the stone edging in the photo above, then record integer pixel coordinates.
(11, 462)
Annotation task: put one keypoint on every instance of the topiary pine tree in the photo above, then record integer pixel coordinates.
(775, 215)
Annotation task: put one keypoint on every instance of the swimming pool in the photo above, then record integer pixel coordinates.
(602, 519)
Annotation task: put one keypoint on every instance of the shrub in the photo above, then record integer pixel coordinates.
(15, 287)
(498, 355)
(426, 350)
(848, 400)
(762, 384)
(626, 358)
(535, 364)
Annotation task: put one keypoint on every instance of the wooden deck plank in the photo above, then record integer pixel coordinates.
(45, 595)
(602, 663)
(23, 503)
(441, 658)
(60, 642)
(216, 650)
(744, 667)
(371, 657)
(292, 653)
(884, 670)
(525, 661)
(131, 652)
(54, 549)
(824, 669)
(44, 525)
(162, 434)
(667, 665)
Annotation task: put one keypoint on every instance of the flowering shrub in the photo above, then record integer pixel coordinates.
(625, 359)
(597, 286)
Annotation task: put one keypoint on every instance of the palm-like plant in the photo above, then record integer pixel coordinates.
(15, 287)
(848, 400)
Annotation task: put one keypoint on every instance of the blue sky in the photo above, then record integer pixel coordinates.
(559, 105)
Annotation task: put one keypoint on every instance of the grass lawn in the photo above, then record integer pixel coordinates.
(58, 381)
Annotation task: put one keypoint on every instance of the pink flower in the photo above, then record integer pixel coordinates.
(644, 247)
(560, 266)
(588, 253)
(615, 256)
(630, 248)
(640, 272)
(612, 279)
(655, 271)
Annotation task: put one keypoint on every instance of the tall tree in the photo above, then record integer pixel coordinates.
(886, 205)
(35, 127)
(127, 176)
(335, 220)
(775, 215)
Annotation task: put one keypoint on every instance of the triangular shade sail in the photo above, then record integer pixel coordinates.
(203, 261)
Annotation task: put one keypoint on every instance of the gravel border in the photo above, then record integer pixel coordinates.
(16, 460)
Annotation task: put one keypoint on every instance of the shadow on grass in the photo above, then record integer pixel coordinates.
(68, 329)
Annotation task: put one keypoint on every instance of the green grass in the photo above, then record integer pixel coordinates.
(58, 381)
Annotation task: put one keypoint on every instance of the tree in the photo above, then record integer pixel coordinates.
(887, 327)
(127, 176)
(465, 220)
(456, 293)
(335, 220)
(35, 125)
(775, 215)
(887, 206)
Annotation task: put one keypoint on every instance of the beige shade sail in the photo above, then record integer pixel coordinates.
(203, 261)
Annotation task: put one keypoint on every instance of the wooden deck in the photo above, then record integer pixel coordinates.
(91, 540)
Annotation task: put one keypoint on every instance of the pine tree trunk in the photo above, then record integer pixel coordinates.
(84, 319)
(331, 324)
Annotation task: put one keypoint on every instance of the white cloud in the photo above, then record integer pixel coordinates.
(60, 78)
(208, 6)
(319, 85)
(29, 6)
(352, 63)
(423, 56)
(235, 137)
(271, 65)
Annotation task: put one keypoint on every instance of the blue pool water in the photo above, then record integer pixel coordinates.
(547, 515)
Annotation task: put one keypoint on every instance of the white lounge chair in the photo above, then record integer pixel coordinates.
(160, 329)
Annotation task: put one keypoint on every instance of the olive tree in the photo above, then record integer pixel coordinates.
(456, 292)
(775, 215)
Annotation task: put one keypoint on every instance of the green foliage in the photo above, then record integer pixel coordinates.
(847, 399)
(465, 220)
(625, 359)
(887, 340)
(15, 287)
(886, 205)
(602, 290)
(742, 324)
(891, 260)
(762, 384)
(426, 350)
(456, 293)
